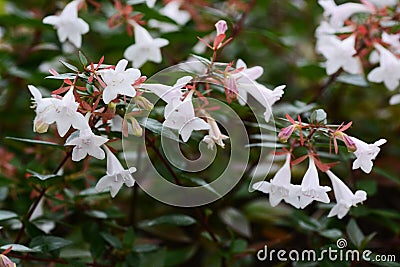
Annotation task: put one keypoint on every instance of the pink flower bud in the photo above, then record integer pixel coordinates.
(6, 262)
(221, 27)
(286, 132)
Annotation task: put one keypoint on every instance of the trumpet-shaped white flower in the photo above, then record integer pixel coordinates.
(339, 13)
(116, 175)
(66, 114)
(366, 153)
(246, 84)
(387, 72)
(340, 54)
(310, 188)
(68, 25)
(172, 11)
(87, 143)
(180, 115)
(145, 48)
(393, 40)
(214, 135)
(61, 111)
(280, 188)
(119, 81)
(168, 93)
(44, 109)
(344, 197)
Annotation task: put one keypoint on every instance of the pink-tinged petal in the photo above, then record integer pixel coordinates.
(142, 35)
(132, 74)
(35, 93)
(275, 199)
(115, 187)
(62, 35)
(71, 9)
(79, 122)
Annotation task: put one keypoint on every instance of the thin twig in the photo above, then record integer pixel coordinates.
(328, 83)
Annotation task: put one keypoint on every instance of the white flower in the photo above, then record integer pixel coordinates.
(280, 188)
(310, 188)
(339, 13)
(366, 153)
(172, 11)
(61, 111)
(246, 84)
(344, 197)
(145, 48)
(116, 175)
(44, 109)
(68, 25)
(180, 115)
(86, 143)
(340, 54)
(119, 81)
(214, 135)
(388, 70)
(168, 93)
(66, 114)
(149, 3)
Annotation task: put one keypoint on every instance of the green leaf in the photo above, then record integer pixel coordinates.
(112, 240)
(42, 177)
(238, 246)
(32, 141)
(69, 66)
(387, 175)
(7, 215)
(353, 79)
(129, 237)
(140, 248)
(355, 234)
(20, 248)
(174, 219)
(333, 234)
(176, 257)
(49, 243)
(158, 128)
(82, 58)
(96, 214)
(236, 221)
(62, 76)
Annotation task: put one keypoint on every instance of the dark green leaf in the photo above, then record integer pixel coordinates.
(69, 66)
(49, 243)
(7, 215)
(175, 219)
(355, 234)
(112, 240)
(32, 141)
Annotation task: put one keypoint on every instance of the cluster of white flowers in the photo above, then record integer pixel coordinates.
(63, 110)
(352, 31)
(280, 188)
(146, 48)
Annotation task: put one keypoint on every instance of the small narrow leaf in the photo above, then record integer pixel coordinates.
(174, 219)
(69, 66)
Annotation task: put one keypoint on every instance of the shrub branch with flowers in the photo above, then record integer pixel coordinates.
(77, 191)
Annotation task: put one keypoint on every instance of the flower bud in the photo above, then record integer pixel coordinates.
(143, 102)
(6, 262)
(137, 129)
(286, 132)
(41, 126)
(351, 146)
(221, 27)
